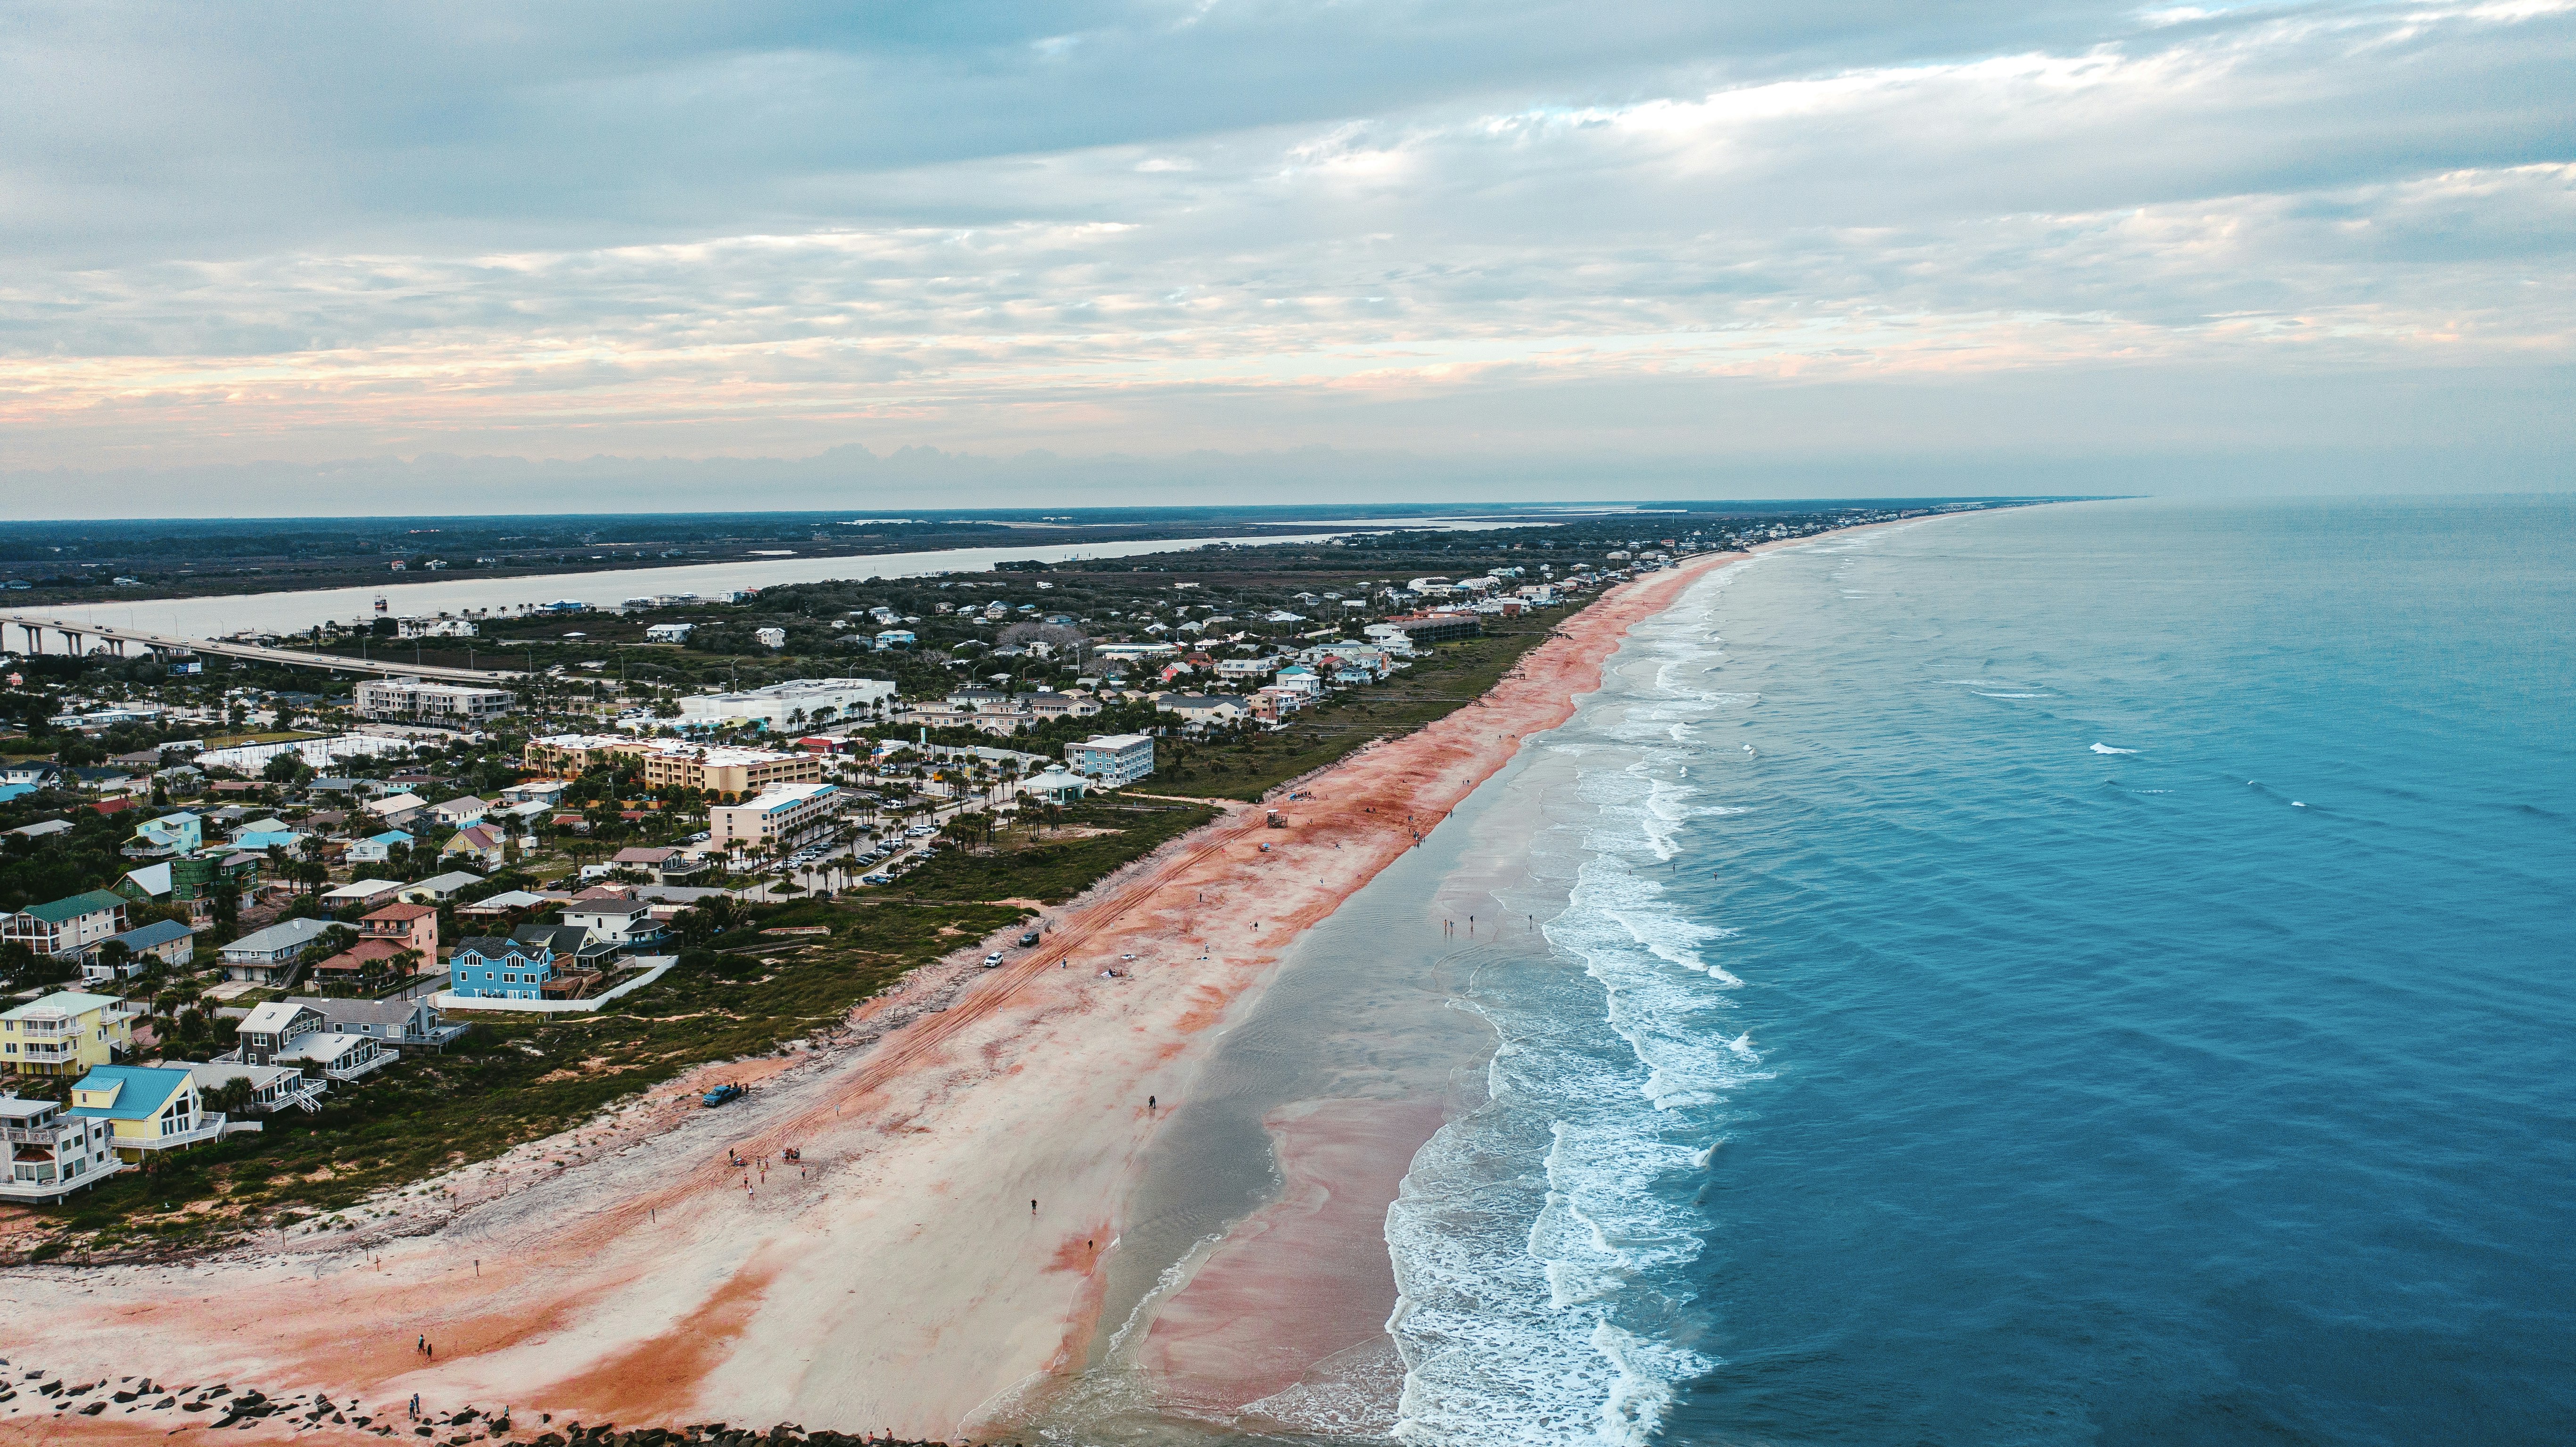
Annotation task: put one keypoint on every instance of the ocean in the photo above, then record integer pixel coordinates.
(2087, 974)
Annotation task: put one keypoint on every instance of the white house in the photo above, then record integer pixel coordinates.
(376, 849)
(457, 813)
(398, 810)
(267, 957)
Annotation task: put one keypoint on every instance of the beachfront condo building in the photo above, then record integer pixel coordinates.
(777, 818)
(1112, 759)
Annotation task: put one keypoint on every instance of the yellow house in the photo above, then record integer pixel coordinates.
(147, 1107)
(67, 1032)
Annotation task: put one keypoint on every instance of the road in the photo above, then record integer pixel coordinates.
(84, 637)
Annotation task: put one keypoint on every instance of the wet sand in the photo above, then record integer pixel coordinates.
(944, 1258)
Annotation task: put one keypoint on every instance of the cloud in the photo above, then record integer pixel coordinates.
(1480, 233)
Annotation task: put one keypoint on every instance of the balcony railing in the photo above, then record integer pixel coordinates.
(19, 1135)
(367, 1067)
(52, 1189)
(207, 1128)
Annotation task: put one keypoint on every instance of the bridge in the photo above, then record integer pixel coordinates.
(98, 637)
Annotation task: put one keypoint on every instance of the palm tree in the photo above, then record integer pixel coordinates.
(233, 1096)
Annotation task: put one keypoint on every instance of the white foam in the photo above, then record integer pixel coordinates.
(1542, 1306)
(2107, 749)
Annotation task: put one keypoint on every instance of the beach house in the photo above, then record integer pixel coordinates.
(460, 812)
(146, 1107)
(295, 1034)
(482, 844)
(65, 1033)
(488, 967)
(164, 941)
(180, 833)
(392, 1022)
(67, 926)
(46, 1152)
(377, 848)
(272, 1087)
(269, 956)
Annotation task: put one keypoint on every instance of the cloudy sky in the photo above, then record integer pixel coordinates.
(346, 257)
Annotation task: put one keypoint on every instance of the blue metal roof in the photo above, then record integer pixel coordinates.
(141, 1091)
(159, 932)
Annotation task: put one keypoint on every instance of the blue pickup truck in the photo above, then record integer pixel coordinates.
(720, 1095)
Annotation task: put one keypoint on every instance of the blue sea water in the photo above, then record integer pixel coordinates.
(2087, 974)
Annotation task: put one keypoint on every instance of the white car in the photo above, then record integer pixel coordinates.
(921, 831)
(993, 960)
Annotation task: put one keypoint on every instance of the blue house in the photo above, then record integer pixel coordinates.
(486, 967)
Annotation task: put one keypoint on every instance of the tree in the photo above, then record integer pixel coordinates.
(17, 961)
(287, 768)
(233, 1096)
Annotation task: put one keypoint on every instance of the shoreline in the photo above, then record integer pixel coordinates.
(893, 1283)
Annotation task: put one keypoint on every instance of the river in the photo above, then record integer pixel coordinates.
(288, 612)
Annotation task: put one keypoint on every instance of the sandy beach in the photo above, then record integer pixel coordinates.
(940, 1259)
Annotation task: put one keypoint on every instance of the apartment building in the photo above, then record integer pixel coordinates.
(437, 703)
(1112, 759)
(677, 763)
(778, 818)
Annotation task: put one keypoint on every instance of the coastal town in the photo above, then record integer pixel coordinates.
(277, 939)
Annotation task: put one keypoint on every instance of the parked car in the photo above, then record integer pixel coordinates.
(1028, 939)
(993, 960)
(721, 1095)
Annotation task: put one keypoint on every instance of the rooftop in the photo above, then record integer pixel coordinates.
(134, 1092)
(60, 1002)
(72, 907)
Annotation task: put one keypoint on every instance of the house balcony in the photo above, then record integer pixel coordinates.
(359, 1071)
(208, 1127)
(48, 1052)
(36, 1183)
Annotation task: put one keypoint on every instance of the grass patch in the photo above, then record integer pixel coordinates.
(1025, 863)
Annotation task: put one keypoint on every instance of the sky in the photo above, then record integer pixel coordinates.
(274, 259)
